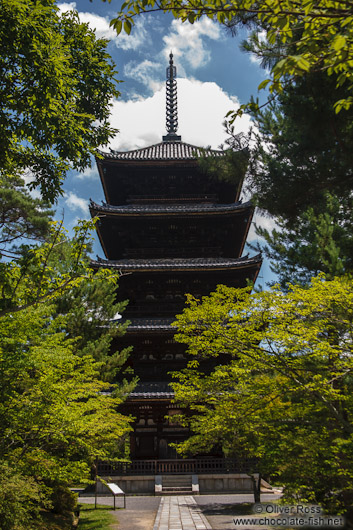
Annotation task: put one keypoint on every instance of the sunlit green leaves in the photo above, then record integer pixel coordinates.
(58, 412)
(56, 415)
(281, 382)
(32, 280)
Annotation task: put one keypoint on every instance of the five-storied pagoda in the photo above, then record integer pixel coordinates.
(170, 229)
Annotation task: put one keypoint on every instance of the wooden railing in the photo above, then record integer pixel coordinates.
(190, 466)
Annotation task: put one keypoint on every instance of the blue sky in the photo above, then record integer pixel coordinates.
(214, 76)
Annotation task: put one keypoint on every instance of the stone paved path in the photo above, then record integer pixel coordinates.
(140, 512)
(180, 513)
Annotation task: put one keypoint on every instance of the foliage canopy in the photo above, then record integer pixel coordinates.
(57, 81)
(301, 173)
(23, 219)
(303, 148)
(58, 406)
(281, 389)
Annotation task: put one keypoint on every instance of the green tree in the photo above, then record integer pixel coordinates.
(23, 219)
(317, 240)
(20, 499)
(57, 415)
(57, 82)
(32, 279)
(58, 272)
(303, 148)
(320, 30)
(301, 173)
(92, 317)
(281, 389)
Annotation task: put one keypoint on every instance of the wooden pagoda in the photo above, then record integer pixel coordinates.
(170, 229)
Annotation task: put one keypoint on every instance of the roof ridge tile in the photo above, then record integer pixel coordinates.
(176, 150)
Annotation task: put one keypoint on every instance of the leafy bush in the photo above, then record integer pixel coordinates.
(20, 499)
(63, 499)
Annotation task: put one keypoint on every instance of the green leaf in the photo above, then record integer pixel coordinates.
(117, 25)
(263, 84)
(127, 26)
(339, 42)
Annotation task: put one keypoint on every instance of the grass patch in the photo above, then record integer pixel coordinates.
(100, 519)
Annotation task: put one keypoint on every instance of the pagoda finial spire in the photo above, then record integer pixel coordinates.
(171, 103)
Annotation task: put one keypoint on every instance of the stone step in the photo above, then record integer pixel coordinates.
(177, 480)
(177, 483)
(173, 493)
(176, 488)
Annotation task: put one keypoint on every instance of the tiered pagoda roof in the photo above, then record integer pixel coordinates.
(224, 229)
(176, 264)
(167, 150)
(153, 390)
(150, 324)
(170, 209)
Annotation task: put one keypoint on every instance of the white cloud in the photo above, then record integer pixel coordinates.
(186, 41)
(263, 221)
(202, 108)
(254, 59)
(75, 203)
(28, 178)
(90, 173)
(135, 40)
(145, 73)
(67, 6)
(103, 30)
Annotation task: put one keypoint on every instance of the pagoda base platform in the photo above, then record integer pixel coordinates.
(212, 475)
(208, 484)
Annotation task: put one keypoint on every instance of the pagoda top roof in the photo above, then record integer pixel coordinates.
(177, 263)
(173, 150)
(170, 208)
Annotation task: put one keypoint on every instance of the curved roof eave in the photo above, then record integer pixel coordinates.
(177, 264)
(170, 209)
(162, 151)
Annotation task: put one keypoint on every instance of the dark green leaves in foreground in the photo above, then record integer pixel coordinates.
(56, 84)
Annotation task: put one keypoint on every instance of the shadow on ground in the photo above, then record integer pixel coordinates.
(213, 509)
